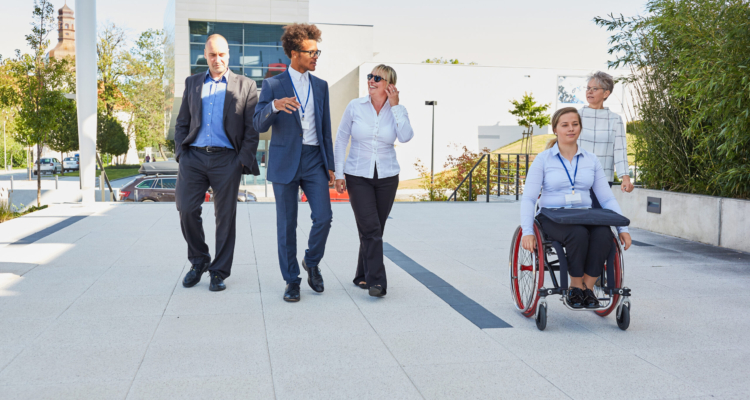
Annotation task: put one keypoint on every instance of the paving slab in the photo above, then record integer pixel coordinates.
(96, 309)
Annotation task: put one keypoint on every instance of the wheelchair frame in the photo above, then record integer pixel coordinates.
(612, 296)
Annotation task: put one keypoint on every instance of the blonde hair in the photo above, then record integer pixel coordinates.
(556, 119)
(387, 72)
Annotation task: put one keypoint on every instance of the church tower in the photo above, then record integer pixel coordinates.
(66, 41)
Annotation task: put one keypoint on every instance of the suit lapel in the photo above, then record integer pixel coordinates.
(197, 99)
(229, 95)
(286, 84)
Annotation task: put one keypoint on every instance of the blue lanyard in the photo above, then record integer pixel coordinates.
(572, 181)
(309, 89)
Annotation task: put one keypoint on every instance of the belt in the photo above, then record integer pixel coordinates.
(211, 149)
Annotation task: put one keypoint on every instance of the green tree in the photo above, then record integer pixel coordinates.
(111, 68)
(110, 136)
(40, 82)
(690, 63)
(64, 138)
(441, 60)
(145, 91)
(529, 113)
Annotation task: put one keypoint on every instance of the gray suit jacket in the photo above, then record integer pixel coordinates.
(239, 108)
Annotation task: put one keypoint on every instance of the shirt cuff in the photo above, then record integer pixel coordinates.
(273, 107)
(338, 174)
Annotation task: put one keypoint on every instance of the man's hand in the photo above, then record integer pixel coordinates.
(287, 104)
(331, 178)
(625, 240)
(626, 185)
(340, 185)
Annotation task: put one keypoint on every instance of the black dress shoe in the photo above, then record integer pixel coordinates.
(292, 292)
(575, 297)
(589, 299)
(377, 291)
(314, 278)
(194, 275)
(217, 284)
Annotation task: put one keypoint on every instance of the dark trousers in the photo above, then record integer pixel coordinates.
(312, 176)
(197, 171)
(371, 200)
(586, 246)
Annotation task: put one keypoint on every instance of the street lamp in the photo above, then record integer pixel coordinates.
(432, 103)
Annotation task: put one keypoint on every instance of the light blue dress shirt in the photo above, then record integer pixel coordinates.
(548, 175)
(212, 131)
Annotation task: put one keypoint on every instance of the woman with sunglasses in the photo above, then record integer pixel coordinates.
(370, 173)
(603, 132)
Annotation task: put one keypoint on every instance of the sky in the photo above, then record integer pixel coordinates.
(532, 33)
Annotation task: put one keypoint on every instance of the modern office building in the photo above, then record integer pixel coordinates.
(473, 101)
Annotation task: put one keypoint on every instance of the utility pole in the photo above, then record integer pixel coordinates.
(432, 103)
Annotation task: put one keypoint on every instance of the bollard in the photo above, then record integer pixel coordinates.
(11, 183)
(56, 182)
(101, 184)
(135, 196)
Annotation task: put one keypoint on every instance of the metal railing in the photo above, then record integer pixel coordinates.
(509, 173)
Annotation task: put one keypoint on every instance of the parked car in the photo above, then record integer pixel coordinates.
(336, 197)
(161, 188)
(49, 165)
(71, 164)
(169, 167)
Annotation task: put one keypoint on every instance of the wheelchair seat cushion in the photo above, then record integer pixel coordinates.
(585, 216)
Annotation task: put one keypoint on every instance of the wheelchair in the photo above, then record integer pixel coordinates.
(527, 271)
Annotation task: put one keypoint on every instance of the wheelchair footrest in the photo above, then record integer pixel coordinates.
(544, 292)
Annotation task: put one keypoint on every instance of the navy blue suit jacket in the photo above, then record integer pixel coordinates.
(285, 150)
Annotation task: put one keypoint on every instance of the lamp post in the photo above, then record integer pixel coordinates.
(432, 103)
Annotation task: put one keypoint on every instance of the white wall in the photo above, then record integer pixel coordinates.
(470, 99)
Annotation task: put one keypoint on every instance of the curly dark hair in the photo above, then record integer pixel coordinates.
(295, 34)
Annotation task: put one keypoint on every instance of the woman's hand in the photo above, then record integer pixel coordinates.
(340, 185)
(392, 95)
(626, 185)
(528, 242)
(625, 240)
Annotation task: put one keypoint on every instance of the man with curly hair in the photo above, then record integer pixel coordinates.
(295, 104)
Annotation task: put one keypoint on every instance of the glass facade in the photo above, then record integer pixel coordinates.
(254, 49)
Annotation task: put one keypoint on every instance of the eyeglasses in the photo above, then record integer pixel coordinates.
(312, 53)
(376, 78)
(592, 89)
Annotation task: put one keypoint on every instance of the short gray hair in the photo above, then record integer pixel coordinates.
(604, 80)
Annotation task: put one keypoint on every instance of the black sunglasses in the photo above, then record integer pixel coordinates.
(376, 78)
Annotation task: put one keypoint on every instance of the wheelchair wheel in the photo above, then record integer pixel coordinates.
(526, 272)
(541, 318)
(623, 322)
(613, 300)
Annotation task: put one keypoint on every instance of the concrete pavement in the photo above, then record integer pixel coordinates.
(97, 310)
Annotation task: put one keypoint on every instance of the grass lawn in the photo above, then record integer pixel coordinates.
(114, 172)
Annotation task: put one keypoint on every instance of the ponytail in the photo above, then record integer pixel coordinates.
(551, 143)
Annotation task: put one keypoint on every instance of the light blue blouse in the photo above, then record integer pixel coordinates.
(548, 175)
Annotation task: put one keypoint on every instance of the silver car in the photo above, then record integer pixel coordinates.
(49, 166)
(71, 164)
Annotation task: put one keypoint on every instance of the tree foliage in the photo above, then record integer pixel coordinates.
(689, 65)
(110, 136)
(64, 138)
(441, 60)
(111, 67)
(144, 90)
(529, 113)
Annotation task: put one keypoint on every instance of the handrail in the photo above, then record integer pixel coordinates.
(516, 177)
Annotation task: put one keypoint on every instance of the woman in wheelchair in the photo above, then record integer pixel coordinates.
(566, 174)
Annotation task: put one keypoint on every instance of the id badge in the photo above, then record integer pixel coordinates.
(305, 124)
(573, 198)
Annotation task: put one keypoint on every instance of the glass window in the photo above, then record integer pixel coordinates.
(194, 69)
(254, 49)
(170, 183)
(145, 184)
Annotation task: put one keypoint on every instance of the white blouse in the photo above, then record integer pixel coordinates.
(372, 137)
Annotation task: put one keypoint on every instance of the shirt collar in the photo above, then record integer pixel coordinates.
(297, 76)
(556, 150)
(603, 108)
(211, 78)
